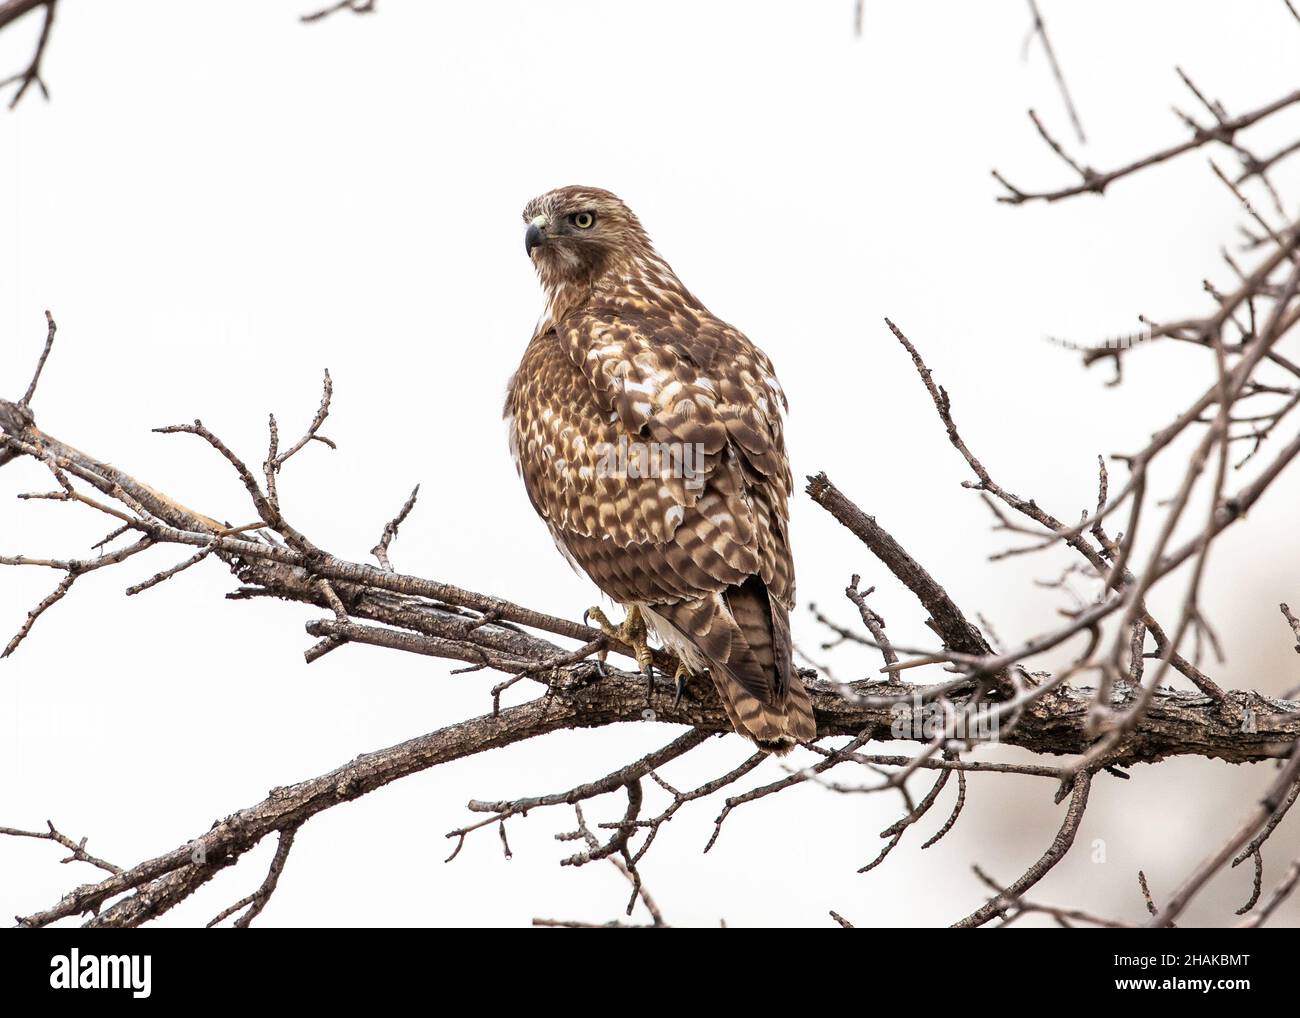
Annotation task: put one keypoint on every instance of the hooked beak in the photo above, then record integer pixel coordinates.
(534, 235)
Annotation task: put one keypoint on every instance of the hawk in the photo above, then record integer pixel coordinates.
(649, 437)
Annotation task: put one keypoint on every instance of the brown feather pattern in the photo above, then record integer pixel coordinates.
(626, 355)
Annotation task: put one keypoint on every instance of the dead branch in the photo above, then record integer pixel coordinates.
(11, 11)
(355, 6)
(1054, 854)
(1224, 131)
(1039, 29)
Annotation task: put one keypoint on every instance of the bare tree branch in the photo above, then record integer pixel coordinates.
(1054, 854)
(10, 11)
(1040, 29)
(355, 6)
(1095, 181)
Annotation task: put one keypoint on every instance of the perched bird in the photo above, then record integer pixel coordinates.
(649, 436)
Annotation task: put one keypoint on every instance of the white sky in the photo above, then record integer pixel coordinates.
(219, 202)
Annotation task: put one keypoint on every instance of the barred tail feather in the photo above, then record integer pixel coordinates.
(777, 728)
(743, 636)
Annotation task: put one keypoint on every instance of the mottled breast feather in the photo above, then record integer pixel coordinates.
(643, 363)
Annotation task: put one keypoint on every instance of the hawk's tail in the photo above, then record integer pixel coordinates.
(746, 641)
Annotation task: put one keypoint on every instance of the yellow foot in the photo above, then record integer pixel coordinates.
(632, 632)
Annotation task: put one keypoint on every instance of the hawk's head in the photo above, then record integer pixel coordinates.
(576, 234)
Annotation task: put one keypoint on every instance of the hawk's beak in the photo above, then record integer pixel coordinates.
(533, 238)
(534, 235)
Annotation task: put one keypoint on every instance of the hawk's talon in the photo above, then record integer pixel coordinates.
(680, 678)
(632, 632)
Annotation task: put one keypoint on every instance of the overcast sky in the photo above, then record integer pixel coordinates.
(218, 202)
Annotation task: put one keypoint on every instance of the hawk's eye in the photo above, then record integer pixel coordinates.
(583, 220)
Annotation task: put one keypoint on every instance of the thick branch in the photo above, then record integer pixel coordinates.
(948, 621)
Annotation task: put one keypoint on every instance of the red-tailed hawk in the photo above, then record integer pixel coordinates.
(649, 436)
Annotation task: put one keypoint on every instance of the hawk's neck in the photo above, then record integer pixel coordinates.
(646, 277)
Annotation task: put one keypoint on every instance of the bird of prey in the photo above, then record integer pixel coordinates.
(649, 436)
